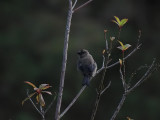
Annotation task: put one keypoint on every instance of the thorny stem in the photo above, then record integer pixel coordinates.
(64, 62)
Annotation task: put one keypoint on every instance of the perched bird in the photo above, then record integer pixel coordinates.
(86, 65)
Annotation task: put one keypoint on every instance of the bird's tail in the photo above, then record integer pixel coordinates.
(85, 81)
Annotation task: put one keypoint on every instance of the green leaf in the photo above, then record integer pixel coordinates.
(126, 46)
(119, 22)
(44, 86)
(123, 47)
(117, 19)
(115, 22)
(123, 21)
(28, 97)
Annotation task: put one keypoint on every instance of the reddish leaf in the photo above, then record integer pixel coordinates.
(48, 92)
(41, 100)
(31, 84)
(28, 98)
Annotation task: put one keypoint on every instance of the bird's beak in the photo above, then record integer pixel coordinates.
(78, 52)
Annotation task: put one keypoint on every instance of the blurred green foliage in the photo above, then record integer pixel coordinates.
(31, 45)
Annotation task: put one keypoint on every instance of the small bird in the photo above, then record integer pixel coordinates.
(86, 65)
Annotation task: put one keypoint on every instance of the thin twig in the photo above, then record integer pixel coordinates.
(106, 87)
(42, 111)
(122, 77)
(150, 70)
(64, 62)
(116, 63)
(86, 3)
(34, 104)
(100, 89)
(118, 107)
(75, 2)
(49, 106)
(99, 93)
(148, 73)
(73, 101)
(98, 71)
(139, 36)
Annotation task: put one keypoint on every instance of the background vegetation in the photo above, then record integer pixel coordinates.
(31, 44)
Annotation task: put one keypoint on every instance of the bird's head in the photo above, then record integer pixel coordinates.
(82, 53)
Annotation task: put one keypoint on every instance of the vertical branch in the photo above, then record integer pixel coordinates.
(96, 106)
(101, 85)
(64, 62)
(97, 101)
(39, 111)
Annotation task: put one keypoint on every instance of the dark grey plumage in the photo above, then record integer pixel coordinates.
(86, 65)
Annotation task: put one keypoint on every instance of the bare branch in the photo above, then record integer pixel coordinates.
(130, 54)
(75, 2)
(34, 104)
(116, 63)
(149, 72)
(100, 90)
(102, 66)
(83, 5)
(64, 62)
(83, 88)
(50, 104)
(106, 87)
(118, 107)
(73, 101)
(139, 36)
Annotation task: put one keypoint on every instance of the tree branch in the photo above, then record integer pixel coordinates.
(86, 3)
(148, 73)
(73, 101)
(49, 106)
(75, 2)
(116, 63)
(118, 107)
(128, 90)
(64, 62)
(35, 105)
(83, 88)
(99, 93)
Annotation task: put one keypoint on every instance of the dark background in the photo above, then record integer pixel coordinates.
(31, 44)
